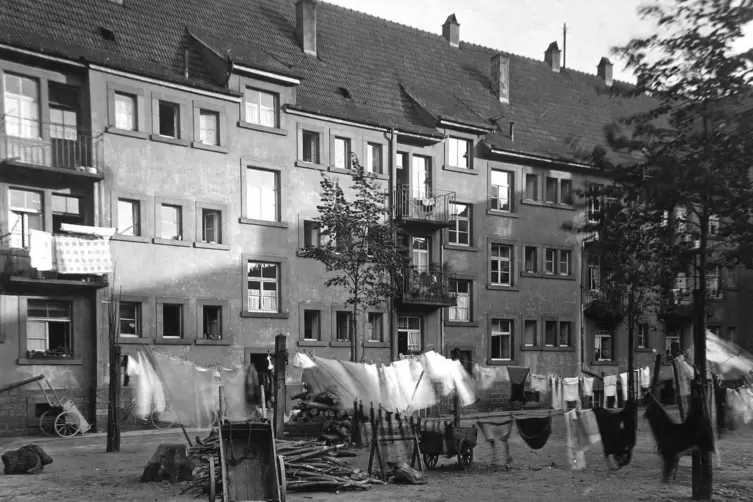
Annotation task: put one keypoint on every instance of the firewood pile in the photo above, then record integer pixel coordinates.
(309, 466)
(323, 408)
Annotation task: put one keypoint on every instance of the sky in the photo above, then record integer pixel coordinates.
(527, 27)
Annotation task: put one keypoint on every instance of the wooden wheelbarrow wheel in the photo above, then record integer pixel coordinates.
(430, 461)
(465, 454)
(282, 478)
(212, 479)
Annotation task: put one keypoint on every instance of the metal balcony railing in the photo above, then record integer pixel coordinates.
(52, 145)
(426, 287)
(424, 205)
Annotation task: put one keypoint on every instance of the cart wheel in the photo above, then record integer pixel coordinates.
(283, 479)
(67, 425)
(47, 421)
(212, 480)
(430, 461)
(163, 420)
(465, 454)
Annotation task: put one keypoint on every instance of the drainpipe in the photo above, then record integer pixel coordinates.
(581, 353)
(441, 310)
(391, 203)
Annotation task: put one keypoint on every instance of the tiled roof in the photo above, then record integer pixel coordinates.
(389, 70)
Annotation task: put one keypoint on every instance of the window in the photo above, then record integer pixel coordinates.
(130, 319)
(261, 107)
(681, 219)
(169, 119)
(212, 322)
(532, 187)
(401, 160)
(211, 226)
(374, 158)
(550, 333)
(343, 326)
(129, 217)
(460, 233)
(65, 209)
(459, 152)
(713, 225)
(501, 265)
(26, 212)
(501, 190)
(566, 331)
(21, 106)
(310, 145)
(48, 329)
(672, 344)
(342, 153)
(602, 345)
(125, 112)
(594, 203)
(594, 272)
(461, 312)
(421, 177)
(408, 335)
(311, 233)
(551, 189)
(374, 327)
(501, 343)
(263, 194)
(566, 192)
(209, 127)
(713, 283)
(558, 333)
(565, 261)
(420, 253)
(171, 222)
(530, 333)
(531, 260)
(642, 339)
(312, 325)
(550, 261)
(172, 320)
(263, 287)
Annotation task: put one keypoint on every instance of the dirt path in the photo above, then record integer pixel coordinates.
(83, 472)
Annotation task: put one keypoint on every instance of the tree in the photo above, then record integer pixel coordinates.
(357, 244)
(694, 142)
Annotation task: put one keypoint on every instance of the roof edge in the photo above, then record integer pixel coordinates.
(537, 158)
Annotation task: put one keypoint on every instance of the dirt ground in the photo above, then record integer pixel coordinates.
(82, 471)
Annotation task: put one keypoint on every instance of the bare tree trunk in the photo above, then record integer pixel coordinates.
(354, 330)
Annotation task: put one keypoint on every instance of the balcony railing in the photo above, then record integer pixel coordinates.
(15, 266)
(426, 206)
(50, 145)
(429, 288)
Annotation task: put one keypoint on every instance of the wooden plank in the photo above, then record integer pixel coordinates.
(250, 462)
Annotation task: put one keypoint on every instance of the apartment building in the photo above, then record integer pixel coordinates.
(213, 123)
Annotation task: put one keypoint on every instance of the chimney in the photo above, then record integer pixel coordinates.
(501, 77)
(552, 57)
(604, 71)
(451, 30)
(305, 25)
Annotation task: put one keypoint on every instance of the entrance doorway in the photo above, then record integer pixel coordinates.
(408, 335)
(261, 364)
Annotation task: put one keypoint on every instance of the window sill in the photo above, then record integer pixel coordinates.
(131, 238)
(49, 362)
(126, 132)
(459, 247)
(261, 128)
(173, 341)
(377, 176)
(531, 348)
(557, 349)
(210, 148)
(460, 324)
(555, 205)
(209, 245)
(203, 341)
(340, 344)
(643, 349)
(262, 315)
(169, 140)
(312, 343)
(501, 362)
(310, 165)
(605, 363)
(531, 274)
(376, 345)
(134, 341)
(464, 170)
(171, 242)
(263, 223)
(558, 277)
(496, 287)
(504, 214)
(339, 170)
(531, 202)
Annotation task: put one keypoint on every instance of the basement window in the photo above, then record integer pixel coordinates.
(169, 116)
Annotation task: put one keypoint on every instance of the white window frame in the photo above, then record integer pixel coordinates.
(349, 325)
(258, 296)
(594, 204)
(599, 335)
(534, 261)
(255, 197)
(496, 191)
(458, 312)
(46, 321)
(256, 112)
(341, 151)
(316, 328)
(209, 135)
(179, 223)
(374, 326)
(371, 148)
(209, 214)
(133, 221)
(455, 211)
(498, 330)
(641, 340)
(559, 334)
(316, 147)
(125, 118)
(19, 238)
(413, 335)
(205, 323)
(175, 107)
(454, 157)
(566, 270)
(136, 320)
(28, 121)
(500, 261)
(548, 261)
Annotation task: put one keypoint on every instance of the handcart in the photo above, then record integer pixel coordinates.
(62, 417)
(251, 469)
(455, 441)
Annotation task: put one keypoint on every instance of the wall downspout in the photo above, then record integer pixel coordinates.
(391, 203)
(580, 355)
(441, 311)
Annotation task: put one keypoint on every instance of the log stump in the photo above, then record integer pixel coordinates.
(29, 459)
(169, 463)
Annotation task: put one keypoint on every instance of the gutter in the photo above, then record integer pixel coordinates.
(457, 125)
(548, 160)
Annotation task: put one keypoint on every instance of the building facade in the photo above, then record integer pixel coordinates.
(212, 130)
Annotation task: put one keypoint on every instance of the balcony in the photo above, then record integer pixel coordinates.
(15, 268)
(677, 306)
(427, 289)
(428, 208)
(53, 148)
(602, 307)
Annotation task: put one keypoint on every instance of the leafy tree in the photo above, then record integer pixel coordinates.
(358, 243)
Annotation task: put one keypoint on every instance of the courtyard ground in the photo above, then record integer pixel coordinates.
(82, 471)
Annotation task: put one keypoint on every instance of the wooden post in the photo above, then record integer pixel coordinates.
(680, 404)
(281, 359)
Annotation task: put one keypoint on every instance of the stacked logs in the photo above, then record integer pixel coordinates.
(324, 408)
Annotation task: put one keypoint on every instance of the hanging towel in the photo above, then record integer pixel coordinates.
(539, 383)
(497, 432)
(575, 454)
(556, 393)
(590, 426)
(645, 377)
(624, 382)
(301, 360)
(570, 389)
(617, 430)
(41, 250)
(610, 386)
(518, 377)
(534, 431)
(588, 386)
(487, 377)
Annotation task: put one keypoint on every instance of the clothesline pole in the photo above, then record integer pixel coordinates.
(281, 358)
